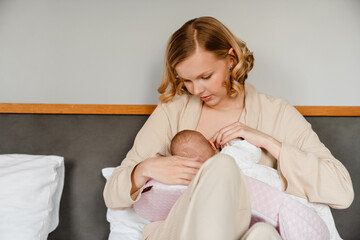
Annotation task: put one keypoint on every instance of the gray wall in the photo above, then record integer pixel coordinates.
(112, 52)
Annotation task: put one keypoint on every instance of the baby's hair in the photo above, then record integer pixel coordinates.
(184, 141)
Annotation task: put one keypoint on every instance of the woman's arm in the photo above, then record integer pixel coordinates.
(306, 166)
(253, 136)
(151, 140)
(308, 169)
(172, 170)
(147, 159)
(138, 179)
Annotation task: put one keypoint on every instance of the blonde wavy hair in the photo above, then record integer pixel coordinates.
(211, 35)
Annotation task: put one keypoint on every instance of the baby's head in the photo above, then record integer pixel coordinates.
(189, 143)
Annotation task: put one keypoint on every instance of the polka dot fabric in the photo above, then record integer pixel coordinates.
(292, 219)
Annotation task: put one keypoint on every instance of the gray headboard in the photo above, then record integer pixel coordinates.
(92, 142)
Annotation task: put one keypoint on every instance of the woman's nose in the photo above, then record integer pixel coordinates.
(198, 89)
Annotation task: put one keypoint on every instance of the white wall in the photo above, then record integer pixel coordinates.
(112, 52)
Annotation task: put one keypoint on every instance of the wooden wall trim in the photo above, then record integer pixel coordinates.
(148, 109)
(346, 111)
(76, 109)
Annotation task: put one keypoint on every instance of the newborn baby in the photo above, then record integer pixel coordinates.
(189, 143)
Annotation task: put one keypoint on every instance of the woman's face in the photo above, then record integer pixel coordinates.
(204, 76)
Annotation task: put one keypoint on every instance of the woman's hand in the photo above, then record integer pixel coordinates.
(173, 170)
(253, 136)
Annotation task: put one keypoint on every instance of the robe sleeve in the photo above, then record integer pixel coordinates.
(308, 169)
(151, 141)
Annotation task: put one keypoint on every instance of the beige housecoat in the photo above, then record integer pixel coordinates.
(306, 166)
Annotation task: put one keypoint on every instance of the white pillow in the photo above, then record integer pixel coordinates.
(125, 224)
(30, 192)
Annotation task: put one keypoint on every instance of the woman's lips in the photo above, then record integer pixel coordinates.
(206, 98)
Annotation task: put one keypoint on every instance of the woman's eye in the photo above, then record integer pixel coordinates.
(185, 80)
(206, 77)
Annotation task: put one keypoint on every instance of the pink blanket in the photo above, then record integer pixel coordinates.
(292, 219)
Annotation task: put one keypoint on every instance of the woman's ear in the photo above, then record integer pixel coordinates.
(231, 52)
(232, 56)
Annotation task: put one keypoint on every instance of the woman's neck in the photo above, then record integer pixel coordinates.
(230, 103)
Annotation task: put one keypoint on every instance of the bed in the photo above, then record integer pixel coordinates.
(91, 142)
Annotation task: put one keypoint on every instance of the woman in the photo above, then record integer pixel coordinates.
(206, 68)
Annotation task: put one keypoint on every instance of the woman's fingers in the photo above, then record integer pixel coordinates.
(184, 182)
(239, 130)
(223, 133)
(188, 170)
(176, 170)
(214, 140)
(192, 162)
(187, 176)
(231, 134)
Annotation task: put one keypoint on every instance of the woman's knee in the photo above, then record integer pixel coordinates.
(222, 164)
(219, 170)
(261, 230)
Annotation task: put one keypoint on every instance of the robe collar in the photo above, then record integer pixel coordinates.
(249, 116)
